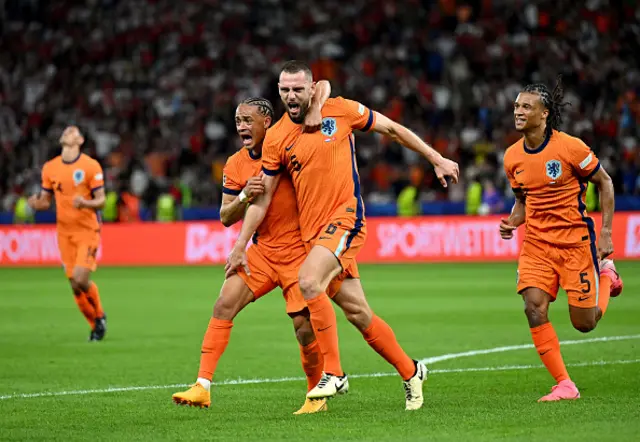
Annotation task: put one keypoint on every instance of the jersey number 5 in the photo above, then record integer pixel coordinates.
(584, 280)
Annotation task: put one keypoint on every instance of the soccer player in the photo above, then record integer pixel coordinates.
(76, 181)
(323, 169)
(548, 171)
(275, 256)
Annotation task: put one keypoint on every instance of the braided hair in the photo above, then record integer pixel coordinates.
(552, 101)
(264, 106)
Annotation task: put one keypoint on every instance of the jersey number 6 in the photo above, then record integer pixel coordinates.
(295, 164)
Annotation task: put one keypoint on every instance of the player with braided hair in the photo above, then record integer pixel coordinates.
(549, 171)
(274, 257)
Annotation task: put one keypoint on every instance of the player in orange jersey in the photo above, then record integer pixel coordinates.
(76, 181)
(549, 171)
(323, 169)
(275, 256)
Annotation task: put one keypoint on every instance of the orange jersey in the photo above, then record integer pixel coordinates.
(322, 164)
(66, 180)
(554, 179)
(280, 227)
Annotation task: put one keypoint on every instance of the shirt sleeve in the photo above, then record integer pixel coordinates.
(360, 116)
(583, 160)
(96, 177)
(508, 170)
(47, 186)
(230, 181)
(271, 155)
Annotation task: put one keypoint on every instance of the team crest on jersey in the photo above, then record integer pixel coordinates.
(554, 169)
(329, 127)
(78, 176)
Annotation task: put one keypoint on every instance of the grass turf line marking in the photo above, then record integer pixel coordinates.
(444, 357)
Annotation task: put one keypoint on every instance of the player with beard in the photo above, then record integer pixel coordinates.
(325, 176)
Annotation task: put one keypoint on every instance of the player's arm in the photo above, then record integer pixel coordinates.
(234, 205)
(95, 203)
(42, 201)
(397, 132)
(518, 212)
(313, 119)
(603, 181)
(252, 219)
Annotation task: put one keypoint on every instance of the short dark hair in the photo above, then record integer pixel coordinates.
(264, 106)
(295, 66)
(552, 100)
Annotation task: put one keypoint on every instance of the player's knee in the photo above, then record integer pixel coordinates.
(584, 325)
(309, 286)
(536, 313)
(79, 285)
(224, 308)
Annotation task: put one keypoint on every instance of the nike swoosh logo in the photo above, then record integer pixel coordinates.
(340, 386)
(518, 172)
(324, 237)
(323, 329)
(544, 353)
(583, 298)
(289, 148)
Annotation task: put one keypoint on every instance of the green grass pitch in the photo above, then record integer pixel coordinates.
(157, 317)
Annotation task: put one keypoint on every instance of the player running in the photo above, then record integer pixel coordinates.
(548, 171)
(323, 169)
(275, 256)
(76, 181)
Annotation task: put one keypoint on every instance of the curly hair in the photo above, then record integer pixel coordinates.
(552, 100)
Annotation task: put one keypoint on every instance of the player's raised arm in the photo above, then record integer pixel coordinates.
(234, 204)
(397, 132)
(252, 219)
(313, 119)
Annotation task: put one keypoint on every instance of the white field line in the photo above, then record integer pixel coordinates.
(444, 357)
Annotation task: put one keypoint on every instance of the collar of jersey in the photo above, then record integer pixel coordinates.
(254, 157)
(72, 161)
(538, 149)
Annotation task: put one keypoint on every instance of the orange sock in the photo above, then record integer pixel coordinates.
(323, 320)
(546, 341)
(213, 345)
(604, 293)
(381, 338)
(94, 298)
(312, 363)
(86, 308)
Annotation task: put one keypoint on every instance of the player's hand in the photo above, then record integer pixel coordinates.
(254, 187)
(33, 202)
(605, 244)
(313, 120)
(446, 168)
(237, 258)
(79, 202)
(506, 229)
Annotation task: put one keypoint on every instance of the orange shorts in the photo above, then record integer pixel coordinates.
(280, 269)
(344, 236)
(78, 250)
(575, 269)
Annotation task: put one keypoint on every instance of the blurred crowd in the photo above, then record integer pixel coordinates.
(154, 84)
